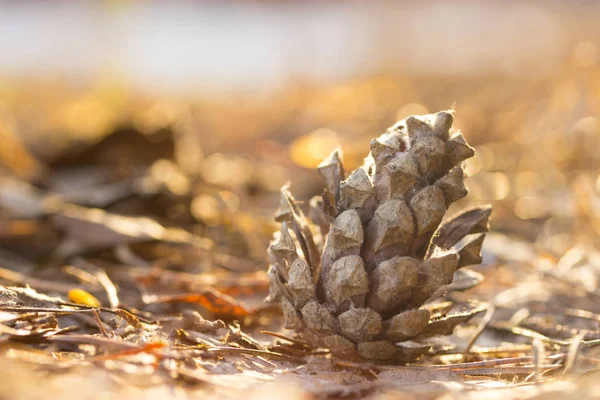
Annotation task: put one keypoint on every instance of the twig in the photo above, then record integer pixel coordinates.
(79, 273)
(572, 354)
(109, 287)
(100, 323)
(237, 350)
(452, 367)
(43, 310)
(22, 279)
(539, 356)
(506, 370)
(93, 340)
(530, 333)
(77, 308)
(283, 337)
(571, 312)
(484, 323)
(502, 350)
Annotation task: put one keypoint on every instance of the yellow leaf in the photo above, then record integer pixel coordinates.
(80, 296)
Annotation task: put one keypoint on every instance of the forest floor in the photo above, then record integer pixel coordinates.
(133, 235)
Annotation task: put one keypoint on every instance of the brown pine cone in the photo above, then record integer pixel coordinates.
(359, 275)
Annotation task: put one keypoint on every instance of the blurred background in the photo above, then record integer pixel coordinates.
(194, 113)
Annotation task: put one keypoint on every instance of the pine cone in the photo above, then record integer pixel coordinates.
(358, 275)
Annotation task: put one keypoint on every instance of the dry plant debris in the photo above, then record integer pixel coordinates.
(130, 267)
